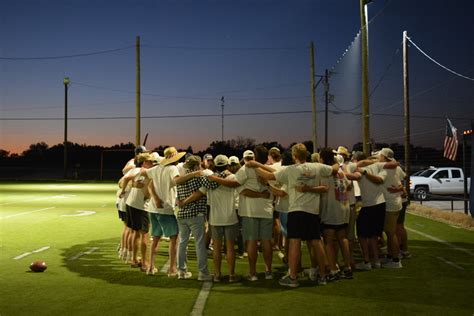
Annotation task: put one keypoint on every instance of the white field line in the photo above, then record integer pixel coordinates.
(26, 254)
(40, 199)
(441, 241)
(198, 307)
(166, 266)
(80, 254)
(450, 263)
(30, 212)
(79, 213)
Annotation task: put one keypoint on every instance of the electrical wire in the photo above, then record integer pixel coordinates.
(220, 115)
(187, 97)
(222, 48)
(69, 56)
(437, 63)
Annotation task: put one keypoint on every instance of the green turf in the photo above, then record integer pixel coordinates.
(100, 284)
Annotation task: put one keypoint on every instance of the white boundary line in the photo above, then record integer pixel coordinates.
(198, 307)
(80, 254)
(441, 241)
(450, 263)
(26, 254)
(18, 214)
(63, 196)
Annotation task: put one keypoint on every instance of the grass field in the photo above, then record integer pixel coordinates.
(85, 276)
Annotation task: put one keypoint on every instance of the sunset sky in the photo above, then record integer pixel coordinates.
(253, 52)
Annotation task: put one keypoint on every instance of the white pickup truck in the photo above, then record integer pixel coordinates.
(438, 181)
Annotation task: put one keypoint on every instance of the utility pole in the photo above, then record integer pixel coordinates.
(313, 95)
(465, 135)
(365, 77)
(137, 104)
(326, 101)
(66, 82)
(406, 107)
(222, 106)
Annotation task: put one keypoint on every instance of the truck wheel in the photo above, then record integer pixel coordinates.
(421, 193)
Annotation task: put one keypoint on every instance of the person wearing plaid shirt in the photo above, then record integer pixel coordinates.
(191, 219)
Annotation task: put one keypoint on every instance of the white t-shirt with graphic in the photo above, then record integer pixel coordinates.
(308, 173)
(335, 203)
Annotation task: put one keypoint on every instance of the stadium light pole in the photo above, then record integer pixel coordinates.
(66, 82)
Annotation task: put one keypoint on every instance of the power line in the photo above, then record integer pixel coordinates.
(151, 117)
(222, 48)
(185, 97)
(219, 115)
(69, 56)
(437, 63)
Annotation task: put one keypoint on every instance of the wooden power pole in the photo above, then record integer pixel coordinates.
(313, 96)
(137, 104)
(365, 78)
(406, 107)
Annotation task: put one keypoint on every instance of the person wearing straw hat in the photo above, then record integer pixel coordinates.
(165, 176)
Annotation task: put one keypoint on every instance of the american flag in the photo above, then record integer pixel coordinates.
(450, 141)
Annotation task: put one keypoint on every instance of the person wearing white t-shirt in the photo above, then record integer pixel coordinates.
(256, 212)
(393, 199)
(223, 220)
(303, 181)
(370, 220)
(163, 192)
(137, 217)
(335, 215)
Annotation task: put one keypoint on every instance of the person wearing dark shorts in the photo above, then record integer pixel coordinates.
(371, 218)
(302, 180)
(137, 217)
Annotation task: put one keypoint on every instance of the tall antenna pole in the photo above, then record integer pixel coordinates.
(365, 77)
(313, 95)
(137, 115)
(222, 106)
(406, 108)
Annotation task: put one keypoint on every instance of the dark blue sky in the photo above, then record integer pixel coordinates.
(194, 52)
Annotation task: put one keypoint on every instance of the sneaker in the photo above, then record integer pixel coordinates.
(376, 265)
(288, 281)
(252, 278)
(363, 266)
(233, 278)
(393, 265)
(347, 274)
(313, 274)
(182, 275)
(204, 277)
(172, 274)
(268, 275)
(151, 272)
(245, 254)
(216, 279)
(405, 254)
(332, 276)
(322, 280)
